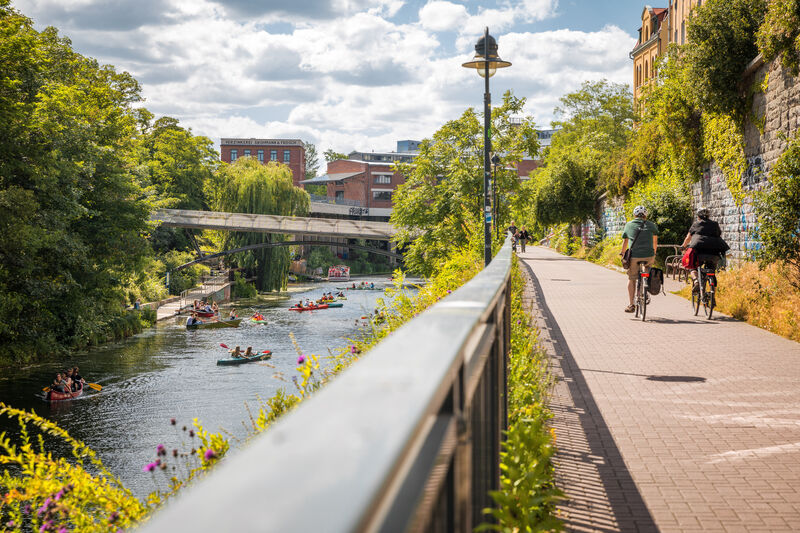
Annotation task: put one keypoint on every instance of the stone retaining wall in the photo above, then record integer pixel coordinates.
(779, 108)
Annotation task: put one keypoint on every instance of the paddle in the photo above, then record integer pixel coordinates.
(95, 386)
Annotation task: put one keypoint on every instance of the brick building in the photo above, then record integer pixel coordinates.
(290, 152)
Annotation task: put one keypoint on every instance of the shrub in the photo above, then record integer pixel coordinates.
(242, 288)
(778, 212)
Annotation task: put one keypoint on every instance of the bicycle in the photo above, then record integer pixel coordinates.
(642, 297)
(705, 273)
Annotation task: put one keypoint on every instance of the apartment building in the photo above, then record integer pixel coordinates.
(660, 28)
(290, 152)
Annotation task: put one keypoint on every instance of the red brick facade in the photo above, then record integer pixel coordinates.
(290, 152)
(369, 188)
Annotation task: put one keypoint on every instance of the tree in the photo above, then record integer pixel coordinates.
(779, 34)
(441, 202)
(73, 215)
(330, 155)
(312, 160)
(250, 187)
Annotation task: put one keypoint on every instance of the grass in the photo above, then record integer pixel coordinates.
(761, 297)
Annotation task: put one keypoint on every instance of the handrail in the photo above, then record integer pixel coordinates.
(406, 439)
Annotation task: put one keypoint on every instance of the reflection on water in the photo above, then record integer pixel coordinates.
(168, 372)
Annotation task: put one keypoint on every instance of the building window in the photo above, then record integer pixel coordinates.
(287, 156)
(382, 196)
(683, 31)
(645, 70)
(339, 195)
(273, 155)
(261, 156)
(234, 155)
(246, 153)
(383, 180)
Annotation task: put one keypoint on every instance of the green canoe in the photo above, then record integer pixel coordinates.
(218, 324)
(266, 354)
(334, 305)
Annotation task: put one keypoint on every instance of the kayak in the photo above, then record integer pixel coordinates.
(266, 354)
(342, 298)
(55, 396)
(218, 324)
(265, 321)
(309, 308)
(359, 288)
(335, 305)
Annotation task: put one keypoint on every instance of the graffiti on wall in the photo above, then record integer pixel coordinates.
(754, 176)
(748, 230)
(613, 221)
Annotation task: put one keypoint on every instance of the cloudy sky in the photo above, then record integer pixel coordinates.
(343, 74)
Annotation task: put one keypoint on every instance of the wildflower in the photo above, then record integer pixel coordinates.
(59, 494)
(113, 517)
(63, 530)
(191, 433)
(163, 466)
(27, 509)
(160, 450)
(10, 523)
(175, 452)
(519, 321)
(149, 467)
(301, 359)
(353, 349)
(172, 421)
(158, 462)
(449, 291)
(210, 454)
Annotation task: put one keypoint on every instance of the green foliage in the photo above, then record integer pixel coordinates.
(331, 155)
(441, 203)
(724, 144)
(722, 41)
(312, 160)
(319, 189)
(562, 241)
(180, 280)
(250, 187)
(779, 34)
(778, 212)
(73, 215)
(242, 288)
(668, 202)
(567, 192)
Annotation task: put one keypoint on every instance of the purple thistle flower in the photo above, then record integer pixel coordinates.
(63, 530)
(449, 291)
(46, 526)
(158, 462)
(519, 321)
(301, 359)
(59, 494)
(27, 509)
(172, 421)
(175, 452)
(210, 454)
(113, 517)
(10, 523)
(160, 450)
(149, 467)
(353, 349)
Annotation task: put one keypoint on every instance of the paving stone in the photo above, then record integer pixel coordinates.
(674, 424)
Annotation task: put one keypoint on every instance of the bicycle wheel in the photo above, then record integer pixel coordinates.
(696, 297)
(709, 301)
(643, 296)
(637, 300)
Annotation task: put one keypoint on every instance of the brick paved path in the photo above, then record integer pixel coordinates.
(653, 435)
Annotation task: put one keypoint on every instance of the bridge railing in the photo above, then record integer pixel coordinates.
(208, 286)
(407, 439)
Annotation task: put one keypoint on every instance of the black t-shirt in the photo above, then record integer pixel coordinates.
(708, 228)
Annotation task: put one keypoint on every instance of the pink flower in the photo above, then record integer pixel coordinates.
(149, 467)
(353, 349)
(301, 359)
(210, 454)
(160, 450)
(172, 421)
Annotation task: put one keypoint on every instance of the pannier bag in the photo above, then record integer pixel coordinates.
(656, 284)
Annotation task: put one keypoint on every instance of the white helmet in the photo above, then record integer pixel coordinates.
(640, 211)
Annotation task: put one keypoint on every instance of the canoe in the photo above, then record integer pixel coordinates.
(266, 354)
(335, 305)
(205, 314)
(310, 308)
(54, 396)
(218, 324)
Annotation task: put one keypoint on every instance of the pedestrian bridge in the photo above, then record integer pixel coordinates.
(328, 227)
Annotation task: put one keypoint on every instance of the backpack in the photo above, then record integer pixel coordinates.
(656, 284)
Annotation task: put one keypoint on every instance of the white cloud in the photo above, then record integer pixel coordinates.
(360, 81)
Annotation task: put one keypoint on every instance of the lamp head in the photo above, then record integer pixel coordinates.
(486, 52)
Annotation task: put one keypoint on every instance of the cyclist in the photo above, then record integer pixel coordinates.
(705, 236)
(641, 235)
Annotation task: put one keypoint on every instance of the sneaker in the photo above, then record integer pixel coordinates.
(630, 309)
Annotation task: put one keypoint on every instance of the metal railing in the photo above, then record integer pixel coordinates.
(337, 201)
(208, 285)
(407, 439)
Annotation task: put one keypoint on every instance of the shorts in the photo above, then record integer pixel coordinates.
(633, 270)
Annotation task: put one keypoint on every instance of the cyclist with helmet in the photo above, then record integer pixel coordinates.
(641, 235)
(705, 236)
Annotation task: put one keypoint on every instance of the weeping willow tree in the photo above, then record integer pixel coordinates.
(250, 187)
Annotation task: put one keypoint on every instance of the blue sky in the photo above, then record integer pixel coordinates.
(343, 74)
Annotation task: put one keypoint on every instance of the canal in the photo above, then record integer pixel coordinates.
(168, 372)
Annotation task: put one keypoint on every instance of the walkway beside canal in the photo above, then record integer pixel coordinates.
(675, 424)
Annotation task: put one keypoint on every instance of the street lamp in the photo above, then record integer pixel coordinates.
(495, 162)
(486, 62)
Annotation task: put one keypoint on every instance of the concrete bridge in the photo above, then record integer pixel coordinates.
(351, 229)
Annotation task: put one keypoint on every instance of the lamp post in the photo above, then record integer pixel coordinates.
(486, 62)
(495, 162)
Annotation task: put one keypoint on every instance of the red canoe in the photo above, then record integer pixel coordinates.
(55, 396)
(205, 314)
(310, 308)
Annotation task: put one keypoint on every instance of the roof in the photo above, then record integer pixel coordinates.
(325, 178)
